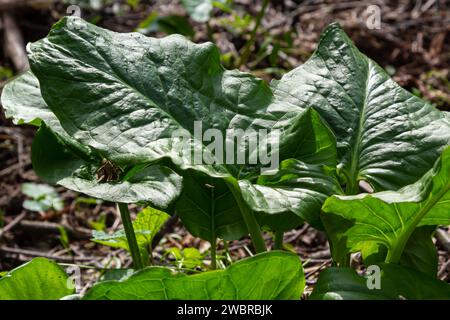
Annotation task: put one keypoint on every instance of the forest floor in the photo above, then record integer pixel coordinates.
(412, 44)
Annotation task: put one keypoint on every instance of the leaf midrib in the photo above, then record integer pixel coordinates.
(356, 151)
(408, 230)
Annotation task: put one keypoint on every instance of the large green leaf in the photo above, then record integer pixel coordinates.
(152, 88)
(396, 282)
(420, 252)
(39, 279)
(149, 88)
(268, 276)
(208, 208)
(126, 102)
(389, 218)
(385, 135)
(54, 161)
(22, 101)
(297, 187)
(296, 191)
(58, 158)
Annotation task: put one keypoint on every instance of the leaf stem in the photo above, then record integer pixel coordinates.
(251, 41)
(248, 216)
(213, 255)
(278, 237)
(352, 186)
(131, 236)
(213, 230)
(395, 252)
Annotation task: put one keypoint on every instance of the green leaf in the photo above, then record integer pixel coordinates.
(58, 158)
(44, 197)
(389, 218)
(22, 101)
(270, 275)
(146, 225)
(420, 252)
(396, 282)
(164, 93)
(385, 135)
(297, 190)
(344, 284)
(37, 191)
(117, 239)
(177, 89)
(54, 161)
(297, 187)
(198, 10)
(151, 220)
(39, 279)
(188, 258)
(168, 24)
(208, 209)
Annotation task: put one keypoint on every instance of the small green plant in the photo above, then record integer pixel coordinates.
(201, 10)
(43, 197)
(167, 24)
(187, 258)
(110, 118)
(146, 225)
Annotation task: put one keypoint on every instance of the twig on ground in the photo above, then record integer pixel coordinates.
(52, 227)
(34, 253)
(311, 271)
(13, 223)
(14, 43)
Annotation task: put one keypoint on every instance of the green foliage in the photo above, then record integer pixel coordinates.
(201, 10)
(187, 258)
(396, 282)
(168, 24)
(107, 118)
(146, 225)
(43, 197)
(129, 148)
(63, 237)
(99, 224)
(5, 73)
(385, 135)
(271, 275)
(389, 218)
(39, 279)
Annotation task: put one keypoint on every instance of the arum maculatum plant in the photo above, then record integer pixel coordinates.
(111, 108)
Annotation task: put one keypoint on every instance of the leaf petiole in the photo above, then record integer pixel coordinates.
(131, 237)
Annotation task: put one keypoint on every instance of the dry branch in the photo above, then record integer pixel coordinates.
(14, 44)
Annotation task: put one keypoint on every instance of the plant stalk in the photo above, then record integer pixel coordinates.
(131, 236)
(395, 253)
(213, 255)
(248, 46)
(213, 231)
(278, 237)
(248, 216)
